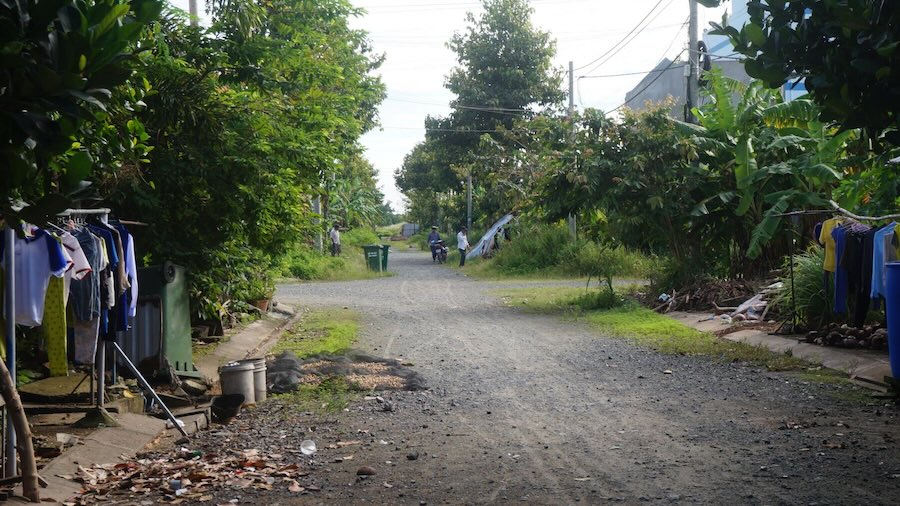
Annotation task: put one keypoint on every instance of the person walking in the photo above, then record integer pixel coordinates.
(462, 242)
(433, 239)
(335, 235)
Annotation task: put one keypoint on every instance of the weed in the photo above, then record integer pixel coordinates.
(321, 331)
(330, 396)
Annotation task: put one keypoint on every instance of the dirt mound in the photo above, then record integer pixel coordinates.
(287, 372)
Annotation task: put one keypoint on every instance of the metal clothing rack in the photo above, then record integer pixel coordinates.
(100, 358)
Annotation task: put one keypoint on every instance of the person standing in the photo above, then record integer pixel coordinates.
(462, 242)
(433, 238)
(335, 235)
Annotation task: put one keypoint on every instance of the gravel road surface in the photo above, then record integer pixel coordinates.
(531, 409)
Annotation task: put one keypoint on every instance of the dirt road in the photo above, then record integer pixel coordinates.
(531, 409)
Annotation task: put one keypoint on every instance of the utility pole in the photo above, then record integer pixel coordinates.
(469, 200)
(317, 210)
(693, 65)
(573, 230)
(571, 89)
(192, 9)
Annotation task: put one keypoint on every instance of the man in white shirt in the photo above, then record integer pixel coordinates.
(462, 242)
(335, 235)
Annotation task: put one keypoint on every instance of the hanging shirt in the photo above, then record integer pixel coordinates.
(839, 234)
(827, 240)
(85, 296)
(37, 259)
(130, 270)
(80, 265)
(880, 256)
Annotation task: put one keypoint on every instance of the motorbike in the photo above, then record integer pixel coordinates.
(440, 250)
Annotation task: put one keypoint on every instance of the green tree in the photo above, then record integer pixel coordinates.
(62, 66)
(846, 53)
(504, 73)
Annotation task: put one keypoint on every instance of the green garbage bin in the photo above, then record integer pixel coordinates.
(373, 256)
(384, 254)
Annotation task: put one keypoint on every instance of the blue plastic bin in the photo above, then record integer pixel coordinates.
(892, 310)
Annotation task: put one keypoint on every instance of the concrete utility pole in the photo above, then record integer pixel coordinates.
(693, 79)
(469, 200)
(573, 230)
(192, 9)
(571, 89)
(317, 209)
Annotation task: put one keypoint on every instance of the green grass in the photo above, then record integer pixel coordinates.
(330, 331)
(330, 396)
(322, 331)
(647, 328)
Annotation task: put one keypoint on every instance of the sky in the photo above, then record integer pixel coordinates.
(412, 34)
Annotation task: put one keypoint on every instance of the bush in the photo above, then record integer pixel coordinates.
(359, 237)
(809, 290)
(550, 248)
(536, 248)
(603, 298)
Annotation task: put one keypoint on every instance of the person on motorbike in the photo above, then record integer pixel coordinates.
(433, 239)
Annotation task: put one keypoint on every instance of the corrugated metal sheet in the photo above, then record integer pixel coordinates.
(143, 343)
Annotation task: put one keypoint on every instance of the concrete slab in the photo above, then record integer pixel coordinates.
(867, 366)
(252, 341)
(105, 445)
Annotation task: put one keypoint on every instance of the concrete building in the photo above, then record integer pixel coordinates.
(669, 79)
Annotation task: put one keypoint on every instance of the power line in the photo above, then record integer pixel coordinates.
(668, 48)
(630, 40)
(597, 76)
(625, 37)
(483, 108)
(636, 95)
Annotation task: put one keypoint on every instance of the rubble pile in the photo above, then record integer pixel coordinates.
(844, 336)
(705, 295)
(190, 477)
(287, 372)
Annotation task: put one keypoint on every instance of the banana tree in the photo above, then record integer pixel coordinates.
(781, 155)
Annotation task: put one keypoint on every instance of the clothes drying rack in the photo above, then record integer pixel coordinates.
(99, 367)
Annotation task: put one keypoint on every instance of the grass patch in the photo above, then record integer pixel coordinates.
(330, 331)
(324, 331)
(649, 329)
(330, 396)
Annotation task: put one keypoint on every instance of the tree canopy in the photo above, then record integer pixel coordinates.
(846, 53)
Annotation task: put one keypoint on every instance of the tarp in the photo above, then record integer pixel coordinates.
(482, 246)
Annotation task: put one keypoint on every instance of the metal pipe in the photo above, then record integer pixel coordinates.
(143, 382)
(9, 236)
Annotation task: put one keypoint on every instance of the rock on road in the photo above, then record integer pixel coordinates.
(532, 409)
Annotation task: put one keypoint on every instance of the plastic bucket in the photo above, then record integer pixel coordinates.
(237, 378)
(892, 310)
(259, 377)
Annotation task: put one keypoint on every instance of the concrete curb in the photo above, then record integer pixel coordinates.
(867, 368)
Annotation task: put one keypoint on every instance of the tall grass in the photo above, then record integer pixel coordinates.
(549, 249)
(304, 262)
(809, 288)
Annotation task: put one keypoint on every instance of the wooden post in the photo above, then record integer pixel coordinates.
(23, 435)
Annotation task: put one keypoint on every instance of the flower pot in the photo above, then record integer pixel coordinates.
(262, 305)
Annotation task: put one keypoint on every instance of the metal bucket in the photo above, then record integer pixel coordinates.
(238, 378)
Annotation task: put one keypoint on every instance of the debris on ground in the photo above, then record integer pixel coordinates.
(187, 476)
(705, 296)
(844, 336)
(287, 372)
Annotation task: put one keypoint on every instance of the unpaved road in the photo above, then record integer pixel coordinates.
(531, 409)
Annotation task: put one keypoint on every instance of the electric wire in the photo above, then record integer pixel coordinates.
(625, 37)
(636, 95)
(633, 37)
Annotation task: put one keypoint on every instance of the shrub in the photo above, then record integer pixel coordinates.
(536, 247)
(604, 298)
(809, 290)
(359, 237)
